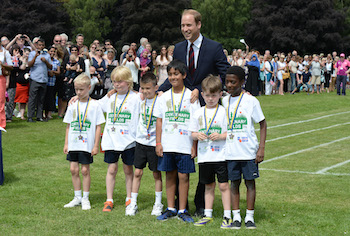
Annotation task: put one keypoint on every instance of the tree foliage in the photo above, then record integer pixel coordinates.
(33, 17)
(89, 17)
(159, 21)
(224, 20)
(312, 26)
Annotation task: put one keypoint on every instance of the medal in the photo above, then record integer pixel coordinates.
(173, 105)
(81, 122)
(231, 136)
(113, 129)
(232, 121)
(175, 126)
(115, 112)
(207, 127)
(148, 123)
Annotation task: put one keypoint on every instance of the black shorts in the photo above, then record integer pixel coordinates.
(208, 170)
(144, 154)
(112, 156)
(81, 157)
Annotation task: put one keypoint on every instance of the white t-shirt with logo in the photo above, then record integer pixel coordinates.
(120, 135)
(176, 136)
(210, 151)
(142, 136)
(83, 140)
(241, 141)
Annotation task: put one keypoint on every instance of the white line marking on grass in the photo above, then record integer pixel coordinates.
(304, 150)
(306, 132)
(303, 121)
(332, 167)
(306, 172)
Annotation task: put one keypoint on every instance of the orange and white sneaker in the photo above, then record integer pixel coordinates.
(108, 206)
(127, 203)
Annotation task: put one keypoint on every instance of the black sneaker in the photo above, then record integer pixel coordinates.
(30, 120)
(236, 224)
(250, 225)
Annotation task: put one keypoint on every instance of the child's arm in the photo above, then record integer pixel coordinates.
(261, 151)
(65, 148)
(159, 147)
(216, 136)
(97, 140)
(194, 149)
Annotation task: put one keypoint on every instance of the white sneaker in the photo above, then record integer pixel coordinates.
(157, 209)
(85, 204)
(75, 202)
(131, 210)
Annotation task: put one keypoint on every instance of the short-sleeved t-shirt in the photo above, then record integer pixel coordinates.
(144, 136)
(342, 67)
(83, 140)
(306, 77)
(175, 134)
(315, 68)
(241, 141)
(120, 135)
(210, 151)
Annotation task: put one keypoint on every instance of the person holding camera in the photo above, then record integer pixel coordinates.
(39, 62)
(133, 63)
(20, 40)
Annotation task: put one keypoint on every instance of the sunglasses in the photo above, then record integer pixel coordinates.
(58, 41)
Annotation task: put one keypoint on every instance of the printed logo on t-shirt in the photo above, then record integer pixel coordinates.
(240, 121)
(242, 139)
(123, 117)
(76, 127)
(182, 116)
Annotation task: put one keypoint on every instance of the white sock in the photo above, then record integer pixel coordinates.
(249, 216)
(208, 213)
(109, 200)
(227, 214)
(236, 215)
(77, 194)
(158, 197)
(181, 211)
(171, 209)
(86, 195)
(134, 198)
(127, 199)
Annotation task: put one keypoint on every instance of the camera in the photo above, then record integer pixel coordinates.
(23, 37)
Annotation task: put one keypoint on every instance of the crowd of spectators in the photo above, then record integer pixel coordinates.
(41, 75)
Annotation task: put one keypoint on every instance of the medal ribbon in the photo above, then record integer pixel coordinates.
(172, 102)
(207, 127)
(150, 113)
(231, 122)
(81, 122)
(115, 112)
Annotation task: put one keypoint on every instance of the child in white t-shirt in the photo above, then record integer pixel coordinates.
(145, 151)
(243, 151)
(84, 119)
(209, 126)
(122, 109)
(174, 144)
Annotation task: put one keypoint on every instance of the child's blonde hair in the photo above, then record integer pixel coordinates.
(72, 57)
(122, 73)
(82, 79)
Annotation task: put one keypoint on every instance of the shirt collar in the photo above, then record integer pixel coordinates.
(197, 43)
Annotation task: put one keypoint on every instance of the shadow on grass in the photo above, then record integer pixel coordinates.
(10, 178)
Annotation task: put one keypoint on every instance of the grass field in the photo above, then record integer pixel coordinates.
(303, 189)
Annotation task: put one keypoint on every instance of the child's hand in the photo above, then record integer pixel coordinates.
(194, 95)
(160, 93)
(65, 79)
(159, 150)
(73, 100)
(94, 151)
(215, 136)
(202, 136)
(193, 151)
(110, 93)
(65, 149)
(260, 155)
(70, 81)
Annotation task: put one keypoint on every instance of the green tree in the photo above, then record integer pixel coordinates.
(89, 17)
(159, 21)
(309, 27)
(224, 20)
(34, 18)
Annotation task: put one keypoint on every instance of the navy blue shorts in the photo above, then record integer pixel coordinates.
(81, 157)
(112, 156)
(170, 161)
(249, 169)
